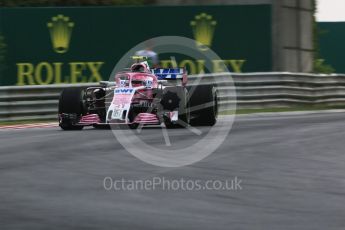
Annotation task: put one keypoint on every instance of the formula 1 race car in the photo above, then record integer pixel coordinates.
(140, 96)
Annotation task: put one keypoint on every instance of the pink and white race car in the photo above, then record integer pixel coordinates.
(140, 96)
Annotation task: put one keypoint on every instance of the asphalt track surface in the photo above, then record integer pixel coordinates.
(292, 169)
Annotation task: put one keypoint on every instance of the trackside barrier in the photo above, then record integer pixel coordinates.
(247, 91)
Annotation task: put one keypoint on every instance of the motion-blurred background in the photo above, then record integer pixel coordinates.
(79, 42)
(249, 35)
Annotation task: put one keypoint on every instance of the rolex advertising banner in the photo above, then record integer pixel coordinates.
(75, 45)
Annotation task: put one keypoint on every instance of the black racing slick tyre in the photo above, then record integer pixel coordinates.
(176, 99)
(70, 108)
(204, 105)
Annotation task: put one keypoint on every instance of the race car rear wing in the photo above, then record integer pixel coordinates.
(169, 74)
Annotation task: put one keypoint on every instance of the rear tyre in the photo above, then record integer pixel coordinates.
(176, 99)
(70, 108)
(204, 105)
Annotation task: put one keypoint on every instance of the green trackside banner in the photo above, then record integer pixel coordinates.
(75, 45)
(332, 44)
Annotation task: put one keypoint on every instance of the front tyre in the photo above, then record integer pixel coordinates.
(71, 108)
